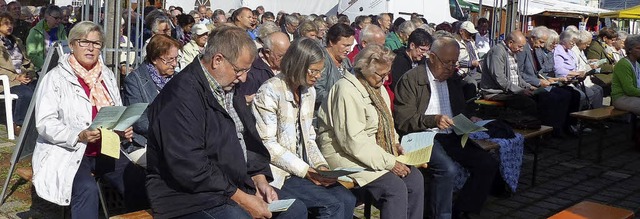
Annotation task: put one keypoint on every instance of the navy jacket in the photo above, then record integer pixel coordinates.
(259, 73)
(139, 88)
(194, 157)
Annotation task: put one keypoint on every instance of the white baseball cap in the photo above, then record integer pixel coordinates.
(199, 29)
(469, 27)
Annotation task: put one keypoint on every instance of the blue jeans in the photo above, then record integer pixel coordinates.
(322, 202)
(442, 171)
(127, 178)
(24, 92)
(233, 210)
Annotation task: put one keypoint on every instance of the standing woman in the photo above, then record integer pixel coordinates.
(144, 84)
(283, 107)
(15, 64)
(67, 153)
(336, 63)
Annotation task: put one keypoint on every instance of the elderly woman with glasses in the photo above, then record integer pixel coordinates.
(144, 83)
(356, 130)
(283, 107)
(67, 154)
(625, 87)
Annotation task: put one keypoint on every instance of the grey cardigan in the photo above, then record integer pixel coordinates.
(495, 73)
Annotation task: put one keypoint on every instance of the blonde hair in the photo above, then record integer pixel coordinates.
(370, 57)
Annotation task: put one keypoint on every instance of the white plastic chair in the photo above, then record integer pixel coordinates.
(8, 104)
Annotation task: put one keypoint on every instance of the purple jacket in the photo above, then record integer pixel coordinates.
(565, 61)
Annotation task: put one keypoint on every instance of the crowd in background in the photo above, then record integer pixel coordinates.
(247, 107)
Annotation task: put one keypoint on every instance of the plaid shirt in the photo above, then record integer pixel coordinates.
(225, 99)
(513, 68)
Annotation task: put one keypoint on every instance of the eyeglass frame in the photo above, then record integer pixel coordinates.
(171, 61)
(236, 70)
(93, 43)
(310, 72)
(443, 63)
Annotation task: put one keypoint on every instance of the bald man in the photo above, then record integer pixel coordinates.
(266, 64)
(369, 35)
(501, 80)
(439, 99)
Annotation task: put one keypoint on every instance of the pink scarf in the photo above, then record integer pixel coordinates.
(98, 95)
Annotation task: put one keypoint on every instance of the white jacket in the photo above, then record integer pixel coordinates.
(62, 111)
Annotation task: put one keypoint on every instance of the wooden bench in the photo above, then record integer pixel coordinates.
(142, 214)
(587, 209)
(534, 134)
(595, 118)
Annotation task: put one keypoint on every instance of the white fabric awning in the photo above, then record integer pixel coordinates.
(533, 7)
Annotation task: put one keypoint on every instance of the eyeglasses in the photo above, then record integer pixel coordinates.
(382, 74)
(314, 72)
(86, 43)
(237, 70)
(170, 60)
(423, 49)
(449, 65)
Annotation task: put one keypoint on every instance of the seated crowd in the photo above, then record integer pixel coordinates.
(248, 110)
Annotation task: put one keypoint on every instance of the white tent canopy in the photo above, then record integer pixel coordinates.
(435, 11)
(533, 7)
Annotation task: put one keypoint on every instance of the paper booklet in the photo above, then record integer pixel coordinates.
(280, 205)
(463, 126)
(117, 118)
(417, 148)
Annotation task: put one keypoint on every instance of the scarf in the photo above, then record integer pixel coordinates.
(385, 134)
(157, 79)
(8, 43)
(98, 94)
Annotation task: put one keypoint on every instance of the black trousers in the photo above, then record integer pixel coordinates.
(554, 108)
(481, 166)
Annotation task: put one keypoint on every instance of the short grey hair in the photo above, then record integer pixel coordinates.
(554, 38)
(82, 29)
(407, 27)
(622, 35)
(265, 29)
(302, 53)
(290, 19)
(584, 36)
(539, 32)
(369, 32)
(571, 28)
(373, 54)
(230, 41)
(631, 42)
(442, 33)
(332, 20)
(444, 42)
(567, 36)
(155, 18)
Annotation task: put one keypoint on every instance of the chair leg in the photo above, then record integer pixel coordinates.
(103, 204)
(8, 106)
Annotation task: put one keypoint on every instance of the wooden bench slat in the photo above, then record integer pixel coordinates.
(587, 209)
(25, 172)
(531, 133)
(599, 113)
(142, 214)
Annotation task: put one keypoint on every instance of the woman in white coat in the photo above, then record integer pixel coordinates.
(67, 154)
